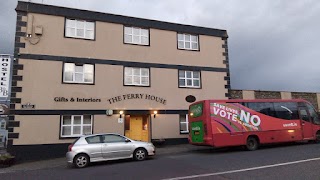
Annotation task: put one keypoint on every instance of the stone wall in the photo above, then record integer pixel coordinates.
(313, 98)
(267, 95)
(236, 94)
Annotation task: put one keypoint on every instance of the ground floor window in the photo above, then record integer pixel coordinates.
(76, 125)
(184, 124)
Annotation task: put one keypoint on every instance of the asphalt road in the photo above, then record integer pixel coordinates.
(294, 161)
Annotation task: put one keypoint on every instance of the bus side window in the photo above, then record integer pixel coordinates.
(262, 107)
(313, 114)
(304, 115)
(286, 110)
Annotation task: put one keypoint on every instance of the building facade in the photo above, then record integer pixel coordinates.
(81, 72)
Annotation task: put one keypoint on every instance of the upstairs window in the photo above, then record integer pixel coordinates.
(135, 35)
(76, 125)
(188, 42)
(79, 29)
(74, 73)
(136, 76)
(189, 79)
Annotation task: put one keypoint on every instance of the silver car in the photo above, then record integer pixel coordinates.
(102, 147)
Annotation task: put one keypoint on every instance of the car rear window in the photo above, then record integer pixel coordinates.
(93, 139)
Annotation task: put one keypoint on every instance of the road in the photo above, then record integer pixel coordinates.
(291, 161)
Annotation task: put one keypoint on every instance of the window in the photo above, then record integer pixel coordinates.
(136, 76)
(188, 41)
(262, 107)
(78, 73)
(184, 124)
(79, 29)
(110, 138)
(3, 124)
(313, 114)
(286, 110)
(93, 140)
(134, 35)
(189, 79)
(76, 125)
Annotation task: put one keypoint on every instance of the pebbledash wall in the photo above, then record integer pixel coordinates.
(76, 70)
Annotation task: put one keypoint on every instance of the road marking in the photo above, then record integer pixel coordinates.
(242, 170)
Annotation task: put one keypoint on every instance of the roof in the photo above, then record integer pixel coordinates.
(119, 19)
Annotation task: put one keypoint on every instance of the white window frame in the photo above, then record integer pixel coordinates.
(139, 35)
(185, 78)
(186, 123)
(188, 39)
(75, 28)
(131, 75)
(72, 125)
(83, 73)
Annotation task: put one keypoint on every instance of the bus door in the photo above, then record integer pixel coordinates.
(306, 124)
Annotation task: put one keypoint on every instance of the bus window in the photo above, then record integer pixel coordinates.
(262, 107)
(286, 110)
(313, 114)
(304, 115)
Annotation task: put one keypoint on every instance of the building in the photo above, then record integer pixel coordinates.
(81, 72)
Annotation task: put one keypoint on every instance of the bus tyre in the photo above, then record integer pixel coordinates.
(252, 144)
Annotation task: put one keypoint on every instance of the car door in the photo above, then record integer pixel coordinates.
(115, 147)
(94, 147)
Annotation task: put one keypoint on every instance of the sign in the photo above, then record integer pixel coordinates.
(4, 109)
(109, 112)
(28, 106)
(137, 96)
(76, 99)
(196, 110)
(5, 64)
(120, 120)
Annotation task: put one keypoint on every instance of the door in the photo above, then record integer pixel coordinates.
(136, 128)
(306, 124)
(94, 147)
(115, 147)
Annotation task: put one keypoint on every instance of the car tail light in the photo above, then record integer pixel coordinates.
(70, 147)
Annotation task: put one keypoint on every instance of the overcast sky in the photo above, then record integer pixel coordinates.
(273, 45)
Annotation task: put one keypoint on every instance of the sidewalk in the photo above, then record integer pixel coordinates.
(44, 164)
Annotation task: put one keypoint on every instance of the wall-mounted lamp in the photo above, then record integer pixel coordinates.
(155, 113)
(191, 114)
(121, 112)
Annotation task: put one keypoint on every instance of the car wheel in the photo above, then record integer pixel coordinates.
(81, 161)
(140, 154)
(252, 143)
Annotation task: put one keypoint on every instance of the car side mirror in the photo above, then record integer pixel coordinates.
(127, 140)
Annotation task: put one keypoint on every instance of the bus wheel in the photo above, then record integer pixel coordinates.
(252, 143)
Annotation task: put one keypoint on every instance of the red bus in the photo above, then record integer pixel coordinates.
(222, 123)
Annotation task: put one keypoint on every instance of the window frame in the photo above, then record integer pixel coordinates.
(186, 123)
(61, 136)
(75, 37)
(188, 49)
(137, 85)
(74, 82)
(140, 36)
(185, 78)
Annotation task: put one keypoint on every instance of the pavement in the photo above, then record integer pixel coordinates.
(58, 162)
